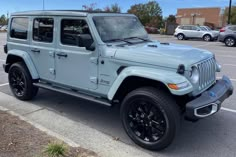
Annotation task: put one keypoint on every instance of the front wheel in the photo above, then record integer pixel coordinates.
(20, 82)
(207, 38)
(150, 118)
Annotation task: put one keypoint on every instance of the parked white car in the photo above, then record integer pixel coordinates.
(3, 28)
(190, 32)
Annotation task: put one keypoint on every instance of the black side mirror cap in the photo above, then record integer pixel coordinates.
(86, 40)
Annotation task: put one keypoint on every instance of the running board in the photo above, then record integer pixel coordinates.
(73, 93)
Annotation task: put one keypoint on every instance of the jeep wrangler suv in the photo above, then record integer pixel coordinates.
(108, 58)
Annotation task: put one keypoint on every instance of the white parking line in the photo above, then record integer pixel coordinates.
(1, 85)
(2, 60)
(234, 65)
(229, 56)
(203, 45)
(227, 109)
(230, 78)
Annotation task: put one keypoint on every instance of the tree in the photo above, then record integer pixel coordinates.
(171, 19)
(114, 8)
(150, 14)
(3, 20)
(233, 14)
(90, 7)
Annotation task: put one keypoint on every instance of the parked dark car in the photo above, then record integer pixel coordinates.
(228, 35)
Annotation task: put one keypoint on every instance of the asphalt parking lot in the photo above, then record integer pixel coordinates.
(213, 136)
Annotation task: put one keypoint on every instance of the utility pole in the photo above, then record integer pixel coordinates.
(43, 5)
(229, 15)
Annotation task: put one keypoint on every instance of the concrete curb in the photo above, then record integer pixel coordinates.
(73, 133)
(43, 129)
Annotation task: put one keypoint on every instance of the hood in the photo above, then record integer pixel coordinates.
(165, 55)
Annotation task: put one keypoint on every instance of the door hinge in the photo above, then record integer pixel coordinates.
(52, 71)
(94, 80)
(94, 60)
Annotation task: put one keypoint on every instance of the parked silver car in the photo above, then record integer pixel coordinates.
(228, 35)
(191, 32)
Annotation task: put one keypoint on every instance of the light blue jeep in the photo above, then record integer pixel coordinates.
(109, 59)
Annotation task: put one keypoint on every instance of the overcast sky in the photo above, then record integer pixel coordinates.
(168, 6)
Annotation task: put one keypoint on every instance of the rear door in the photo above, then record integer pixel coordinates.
(42, 46)
(187, 31)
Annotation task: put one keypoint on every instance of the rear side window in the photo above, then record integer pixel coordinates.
(43, 30)
(19, 27)
(187, 27)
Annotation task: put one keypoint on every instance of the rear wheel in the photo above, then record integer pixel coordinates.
(150, 118)
(180, 36)
(21, 82)
(230, 42)
(207, 37)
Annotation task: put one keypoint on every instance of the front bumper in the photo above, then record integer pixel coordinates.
(210, 101)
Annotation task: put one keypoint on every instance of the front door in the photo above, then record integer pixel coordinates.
(76, 66)
(43, 46)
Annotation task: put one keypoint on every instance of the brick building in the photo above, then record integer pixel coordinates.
(200, 16)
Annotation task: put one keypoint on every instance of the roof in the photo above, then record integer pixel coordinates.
(59, 12)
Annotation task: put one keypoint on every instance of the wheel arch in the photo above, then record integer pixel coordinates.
(14, 56)
(134, 77)
(229, 36)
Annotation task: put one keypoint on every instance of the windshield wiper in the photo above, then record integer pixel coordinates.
(114, 40)
(137, 38)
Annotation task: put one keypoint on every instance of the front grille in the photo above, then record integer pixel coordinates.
(207, 72)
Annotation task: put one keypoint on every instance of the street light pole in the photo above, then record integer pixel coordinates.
(43, 5)
(229, 15)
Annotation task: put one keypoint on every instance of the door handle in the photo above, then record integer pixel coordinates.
(62, 55)
(35, 50)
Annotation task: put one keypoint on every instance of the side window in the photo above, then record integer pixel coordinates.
(43, 30)
(187, 27)
(72, 29)
(180, 27)
(232, 28)
(194, 28)
(19, 27)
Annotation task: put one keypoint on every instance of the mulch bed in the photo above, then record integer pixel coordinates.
(20, 139)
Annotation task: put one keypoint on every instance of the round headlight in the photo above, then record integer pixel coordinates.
(194, 75)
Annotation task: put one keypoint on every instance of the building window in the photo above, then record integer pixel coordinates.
(43, 30)
(19, 28)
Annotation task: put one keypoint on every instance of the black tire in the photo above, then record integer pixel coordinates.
(180, 36)
(166, 122)
(230, 41)
(21, 82)
(207, 37)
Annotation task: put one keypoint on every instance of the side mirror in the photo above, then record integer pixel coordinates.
(86, 40)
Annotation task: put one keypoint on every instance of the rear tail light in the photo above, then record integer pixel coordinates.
(222, 29)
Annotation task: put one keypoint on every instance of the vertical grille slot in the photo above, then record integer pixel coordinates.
(206, 73)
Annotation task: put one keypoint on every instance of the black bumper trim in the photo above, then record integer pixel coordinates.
(6, 67)
(214, 95)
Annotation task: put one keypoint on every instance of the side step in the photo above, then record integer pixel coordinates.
(73, 93)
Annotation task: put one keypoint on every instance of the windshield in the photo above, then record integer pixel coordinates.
(112, 28)
(209, 29)
(203, 28)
